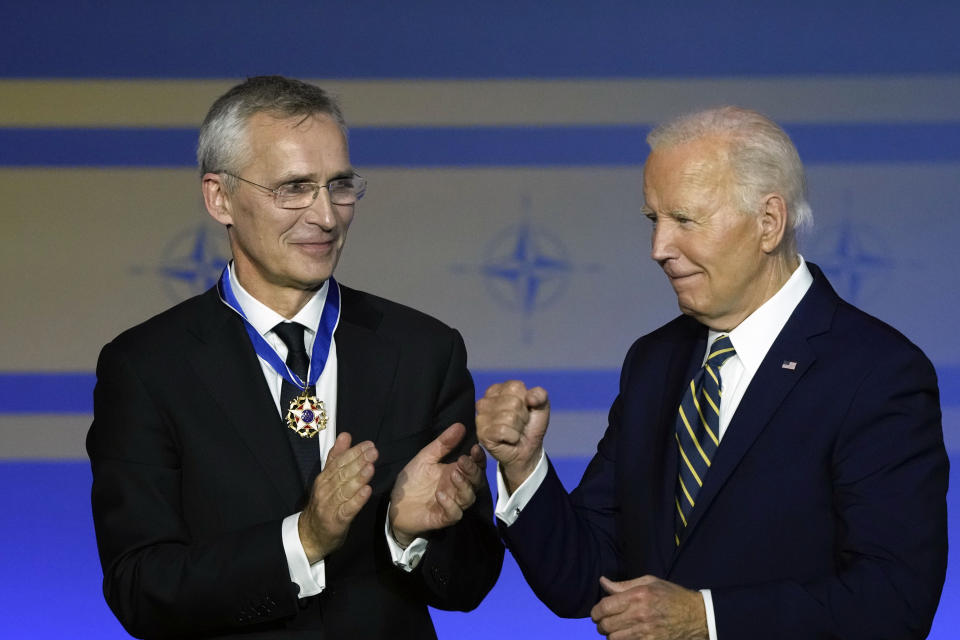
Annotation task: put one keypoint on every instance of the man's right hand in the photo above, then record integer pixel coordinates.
(511, 423)
(338, 494)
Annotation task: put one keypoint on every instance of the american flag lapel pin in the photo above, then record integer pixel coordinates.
(789, 364)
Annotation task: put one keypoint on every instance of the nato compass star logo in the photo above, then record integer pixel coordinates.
(192, 261)
(525, 269)
(855, 259)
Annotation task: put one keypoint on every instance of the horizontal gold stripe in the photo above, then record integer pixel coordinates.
(106, 103)
(183, 103)
(43, 437)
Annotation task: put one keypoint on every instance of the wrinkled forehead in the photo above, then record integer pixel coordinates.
(266, 130)
(311, 148)
(699, 165)
(274, 123)
(691, 160)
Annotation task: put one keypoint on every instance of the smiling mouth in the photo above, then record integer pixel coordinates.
(317, 247)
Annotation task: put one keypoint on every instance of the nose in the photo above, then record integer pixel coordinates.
(322, 212)
(661, 242)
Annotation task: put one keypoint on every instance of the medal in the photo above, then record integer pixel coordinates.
(307, 415)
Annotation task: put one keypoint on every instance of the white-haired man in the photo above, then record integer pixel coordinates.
(773, 466)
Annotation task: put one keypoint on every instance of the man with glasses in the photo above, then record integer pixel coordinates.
(284, 456)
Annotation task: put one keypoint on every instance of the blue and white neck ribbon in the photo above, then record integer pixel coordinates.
(329, 319)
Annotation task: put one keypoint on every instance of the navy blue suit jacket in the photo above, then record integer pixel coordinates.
(823, 514)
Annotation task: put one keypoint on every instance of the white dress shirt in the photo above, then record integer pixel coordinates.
(751, 339)
(311, 578)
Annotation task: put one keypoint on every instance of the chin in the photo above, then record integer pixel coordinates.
(691, 310)
(317, 272)
(317, 281)
(686, 306)
(307, 281)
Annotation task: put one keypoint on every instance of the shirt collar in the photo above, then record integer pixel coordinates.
(753, 337)
(264, 319)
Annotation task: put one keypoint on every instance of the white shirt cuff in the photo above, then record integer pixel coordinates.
(407, 559)
(711, 620)
(510, 506)
(311, 578)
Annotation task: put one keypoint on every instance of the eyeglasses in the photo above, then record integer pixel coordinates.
(297, 195)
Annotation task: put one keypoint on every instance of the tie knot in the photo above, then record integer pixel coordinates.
(292, 335)
(720, 350)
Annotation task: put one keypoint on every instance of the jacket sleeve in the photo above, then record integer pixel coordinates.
(158, 579)
(463, 561)
(564, 542)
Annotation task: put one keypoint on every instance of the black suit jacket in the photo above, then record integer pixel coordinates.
(193, 474)
(823, 514)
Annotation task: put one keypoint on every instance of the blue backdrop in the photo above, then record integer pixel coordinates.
(485, 129)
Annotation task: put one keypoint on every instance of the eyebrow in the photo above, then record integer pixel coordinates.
(346, 173)
(673, 213)
(303, 177)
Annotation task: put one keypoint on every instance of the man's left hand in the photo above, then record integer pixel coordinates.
(651, 609)
(430, 495)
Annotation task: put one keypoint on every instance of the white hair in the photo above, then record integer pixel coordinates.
(762, 158)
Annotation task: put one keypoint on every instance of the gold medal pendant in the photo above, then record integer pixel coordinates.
(307, 415)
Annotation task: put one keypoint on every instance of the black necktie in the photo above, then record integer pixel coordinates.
(305, 450)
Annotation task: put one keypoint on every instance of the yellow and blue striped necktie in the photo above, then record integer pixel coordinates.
(698, 429)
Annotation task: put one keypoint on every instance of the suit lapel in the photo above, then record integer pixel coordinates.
(771, 384)
(366, 366)
(228, 366)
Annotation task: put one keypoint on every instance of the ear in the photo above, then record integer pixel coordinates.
(773, 222)
(216, 199)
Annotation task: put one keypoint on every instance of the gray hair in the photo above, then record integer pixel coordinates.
(222, 146)
(762, 158)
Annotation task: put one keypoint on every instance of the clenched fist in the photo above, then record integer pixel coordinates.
(511, 423)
